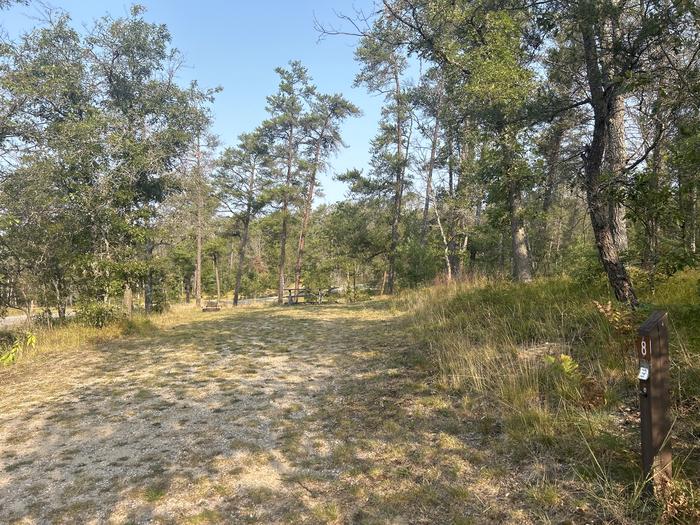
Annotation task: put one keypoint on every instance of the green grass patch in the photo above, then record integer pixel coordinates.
(155, 493)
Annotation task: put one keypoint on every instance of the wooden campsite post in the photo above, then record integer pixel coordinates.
(654, 402)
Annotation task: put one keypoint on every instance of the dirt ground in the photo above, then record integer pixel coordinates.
(311, 414)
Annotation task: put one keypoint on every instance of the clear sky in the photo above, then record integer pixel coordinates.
(236, 45)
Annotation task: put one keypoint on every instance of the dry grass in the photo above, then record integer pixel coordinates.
(549, 369)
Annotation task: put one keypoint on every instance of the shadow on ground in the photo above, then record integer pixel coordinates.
(313, 414)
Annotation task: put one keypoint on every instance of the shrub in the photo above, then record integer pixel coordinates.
(136, 326)
(43, 318)
(97, 314)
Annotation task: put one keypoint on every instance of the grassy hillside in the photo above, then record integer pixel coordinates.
(548, 372)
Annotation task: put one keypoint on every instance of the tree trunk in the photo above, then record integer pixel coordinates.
(148, 293)
(429, 180)
(354, 284)
(250, 196)
(688, 196)
(470, 246)
(552, 166)
(148, 285)
(601, 97)
(651, 220)
(241, 259)
(62, 311)
(522, 266)
(283, 256)
(398, 187)
(198, 264)
(216, 275)
(60, 300)
(187, 285)
(200, 211)
(614, 166)
(231, 256)
(128, 300)
(520, 251)
(501, 254)
(607, 249)
(446, 245)
(285, 219)
(308, 204)
(692, 229)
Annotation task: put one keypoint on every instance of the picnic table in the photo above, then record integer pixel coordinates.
(310, 296)
(211, 306)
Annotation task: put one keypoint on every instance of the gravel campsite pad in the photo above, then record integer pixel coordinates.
(312, 414)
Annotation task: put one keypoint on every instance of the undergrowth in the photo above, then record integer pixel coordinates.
(548, 370)
(27, 340)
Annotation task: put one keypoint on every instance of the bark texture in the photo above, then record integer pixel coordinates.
(522, 266)
(603, 94)
(615, 162)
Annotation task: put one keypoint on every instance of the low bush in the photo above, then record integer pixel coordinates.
(98, 314)
(136, 326)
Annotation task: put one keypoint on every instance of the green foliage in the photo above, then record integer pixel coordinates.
(583, 265)
(564, 377)
(12, 345)
(102, 125)
(417, 264)
(97, 314)
(136, 326)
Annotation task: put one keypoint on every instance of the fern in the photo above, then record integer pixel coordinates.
(21, 342)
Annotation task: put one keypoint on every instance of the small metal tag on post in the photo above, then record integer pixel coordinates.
(654, 401)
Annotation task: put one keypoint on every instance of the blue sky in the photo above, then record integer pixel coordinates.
(236, 45)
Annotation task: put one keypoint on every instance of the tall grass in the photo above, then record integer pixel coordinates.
(549, 367)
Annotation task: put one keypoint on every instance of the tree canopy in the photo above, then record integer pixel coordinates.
(515, 139)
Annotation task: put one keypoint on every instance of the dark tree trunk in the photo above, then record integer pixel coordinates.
(614, 166)
(398, 186)
(688, 197)
(429, 178)
(62, 311)
(470, 246)
(148, 284)
(215, 261)
(250, 197)
(200, 233)
(187, 285)
(543, 248)
(241, 259)
(128, 300)
(283, 255)
(308, 204)
(285, 219)
(60, 299)
(552, 166)
(520, 251)
(651, 222)
(148, 293)
(597, 198)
